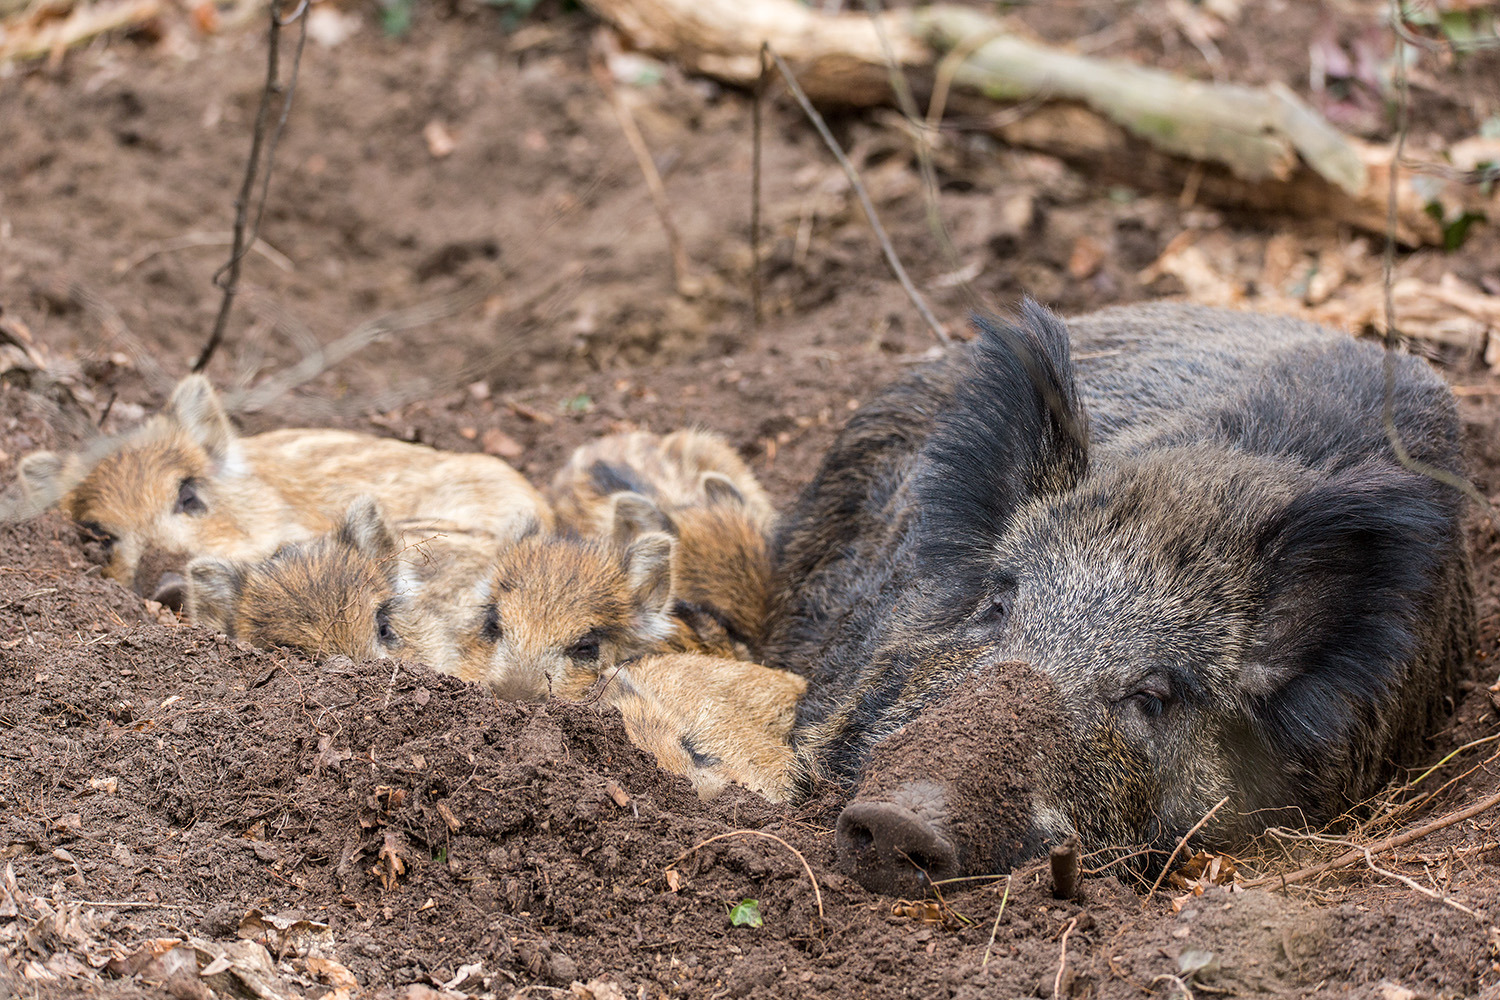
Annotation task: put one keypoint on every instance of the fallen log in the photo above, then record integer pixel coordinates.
(1256, 148)
(24, 36)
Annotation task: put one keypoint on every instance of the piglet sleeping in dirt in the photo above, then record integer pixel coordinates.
(1039, 595)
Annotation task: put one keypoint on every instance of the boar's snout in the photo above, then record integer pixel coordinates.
(893, 849)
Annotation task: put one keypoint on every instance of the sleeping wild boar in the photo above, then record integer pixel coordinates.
(185, 484)
(367, 590)
(1187, 565)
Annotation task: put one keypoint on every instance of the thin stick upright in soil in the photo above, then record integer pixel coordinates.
(228, 276)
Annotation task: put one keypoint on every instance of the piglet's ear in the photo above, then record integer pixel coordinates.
(213, 593)
(45, 476)
(634, 515)
(720, 489)
(197, 408)
(1354, 573)
(365, 530)
(648, 572)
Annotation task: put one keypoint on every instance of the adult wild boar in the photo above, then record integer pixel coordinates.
(1182, 564)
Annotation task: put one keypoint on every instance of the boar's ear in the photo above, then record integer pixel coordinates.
(1014, 430)
(45, 476)
(720, 489)
(364, 529)
(648, 572)
(197, 408)
(635, 515)
(213, 593)
(1352, 572)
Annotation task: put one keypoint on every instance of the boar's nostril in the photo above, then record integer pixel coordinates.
(890, 849)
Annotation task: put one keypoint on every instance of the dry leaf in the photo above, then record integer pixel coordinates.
(620, 796)
(287, 935)
(674, 880)
(439, 140)
(1086, 259)
(345, 986)
(390, 867)
(497, 442)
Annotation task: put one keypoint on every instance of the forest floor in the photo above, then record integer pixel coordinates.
(398, 833)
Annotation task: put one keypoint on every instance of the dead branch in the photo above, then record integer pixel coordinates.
(687, 285)
(1062, 965)
(368, 332)
(1180, 845)
(938, 330)
(1258, 148)
(1380, 847)
(19, 40)
(228, 277)
(1064, 863)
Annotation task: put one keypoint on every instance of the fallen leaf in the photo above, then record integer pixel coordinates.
(440, 141)
(497, 442)
(390, 867)
(746, 913)
(345, 986)
(674, 879)
(620, 796)
(287, 935)
(1086, 259)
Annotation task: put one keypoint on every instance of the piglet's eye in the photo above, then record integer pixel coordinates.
(490, 630)
(188, 500)
(99, 543)
(585, 650)
(384, 631)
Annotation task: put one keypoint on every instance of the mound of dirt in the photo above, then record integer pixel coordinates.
(159, 783)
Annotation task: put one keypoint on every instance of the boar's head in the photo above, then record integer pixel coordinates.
(1213, 622)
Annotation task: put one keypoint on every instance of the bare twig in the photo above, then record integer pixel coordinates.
(682, 277)
(228, 277)
(937, 328)
(1175, 981)
(756, 311)
(1062, 965)
(922, 133)
(1446, 900)
(1388, 269)
(191, 240)
(817, 893)
(313, 365)
(995, 927)
(1379, 847)
(115, 331)
(1180, 845)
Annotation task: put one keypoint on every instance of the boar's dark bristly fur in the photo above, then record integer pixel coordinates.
(1198, 533)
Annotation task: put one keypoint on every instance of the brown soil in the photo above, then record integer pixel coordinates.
(165, 783)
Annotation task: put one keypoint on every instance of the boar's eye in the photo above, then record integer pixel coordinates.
(384, 632)
(1152, 697)
(188, 500)
(1001, 599)
(585, 649)
(490, 630)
